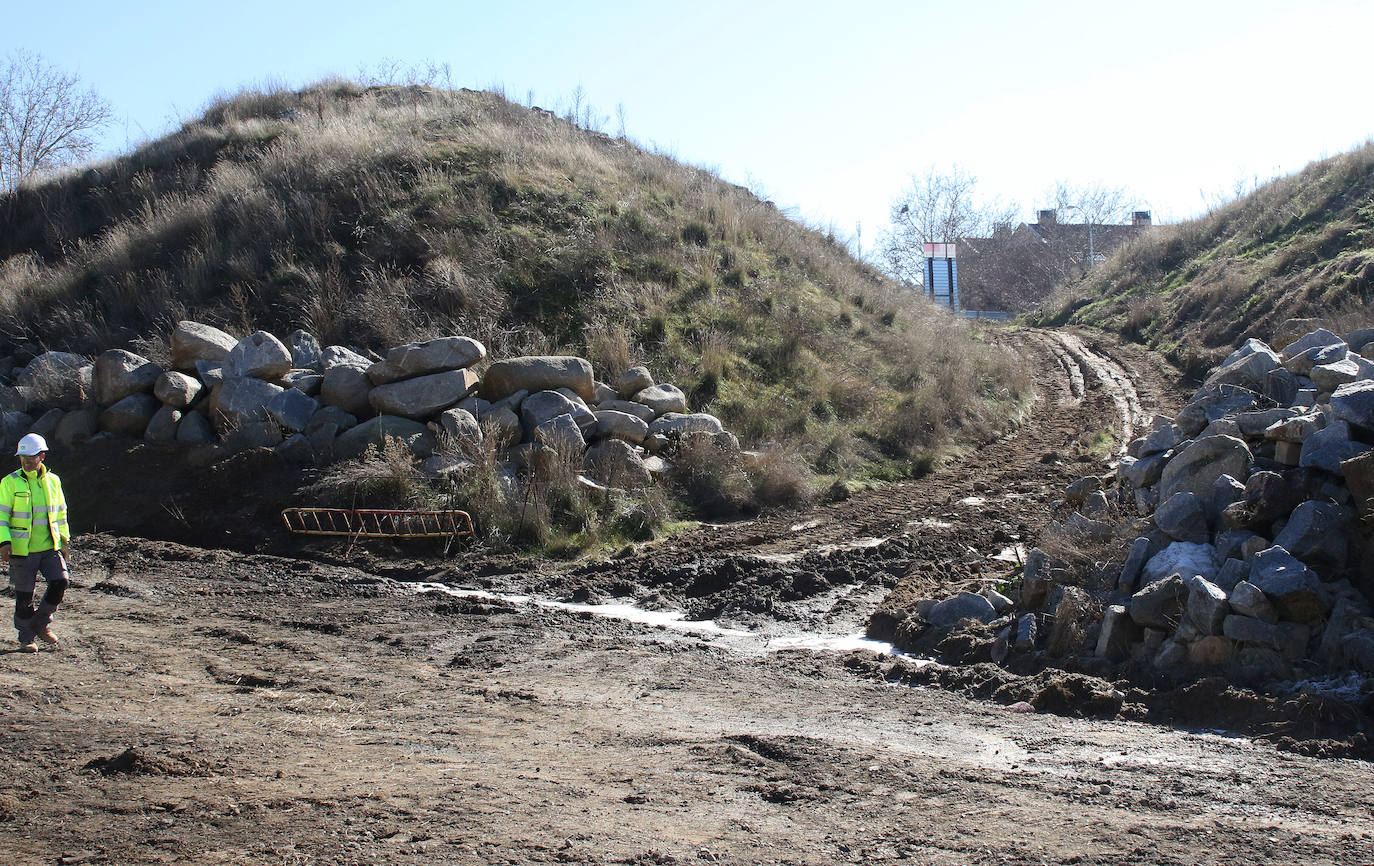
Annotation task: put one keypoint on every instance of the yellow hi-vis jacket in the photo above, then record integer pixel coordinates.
(33, 512)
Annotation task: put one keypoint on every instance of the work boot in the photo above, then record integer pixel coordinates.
(40, 621)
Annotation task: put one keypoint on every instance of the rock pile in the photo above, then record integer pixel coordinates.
(1253, 512)
(315, 405)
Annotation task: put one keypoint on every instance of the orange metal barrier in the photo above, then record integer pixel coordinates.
(377, 523)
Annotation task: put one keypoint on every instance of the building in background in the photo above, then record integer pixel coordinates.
(1017, 268)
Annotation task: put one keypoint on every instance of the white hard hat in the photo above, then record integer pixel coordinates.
(30, 445)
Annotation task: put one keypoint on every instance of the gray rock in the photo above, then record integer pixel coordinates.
(1000, 602)
(1329, 377)
(602, 393)
(1249, 600)
(619, 425)
(193, 341)
(431, 356)
(1231, 573)
(1164, 437)
(76, 427)
(418, 438)
(1225, 491)
(1296, 593)
(291, 409)
(1183, 518)
(1222, 427)
(1081, 489)
(177, 390)
(119, 373)
(1035, 579)
(258, 356)
(306, 353)
(629, 407)
(538, 373)
(1293, 639)
(1281, 386)
(502, 425)
(673, 424)
(1296, 428)
(1213, 402)
(1172, 654)
(46, 424)
(1207, 605)
(195, 430)
(1250, 630)
(563, 435)
(1072, 617)
(308, 382)
(1135, 561)
(632, 381)
(1257, 423)
(1229, 543)
(663, 399)
(347, 386)
(1197, 467)
(130, 416)
(1026, 633)
(342, 356)
(1248, 371)
(1359, 650)
(1357, 338)
(57, 379)
(965, 605)
(1314, 338)
(543, 406)
(422, 396)
(1184, 558)
(1211, 651)
(332, 415)
(1160, 604)
(1119, 631)
(1144, 472)
(162, 428)
(1095, 505)
(461, 428)
(210, 372)
(1317, 533)
(1302, 363)
(1354, 403)
(617, 463)
(241, 400)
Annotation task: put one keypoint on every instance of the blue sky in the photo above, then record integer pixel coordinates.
(826, 108)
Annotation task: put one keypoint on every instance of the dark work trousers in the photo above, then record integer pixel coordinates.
(24, 572)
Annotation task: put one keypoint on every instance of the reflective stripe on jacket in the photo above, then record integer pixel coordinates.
(20, 497)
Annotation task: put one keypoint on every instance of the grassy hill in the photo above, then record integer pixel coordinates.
(381, 215)
(1301, 246)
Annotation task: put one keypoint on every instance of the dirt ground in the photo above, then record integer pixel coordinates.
(316, 703)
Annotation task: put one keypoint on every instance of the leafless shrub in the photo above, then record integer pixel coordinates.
(385, 477)
(780, 478)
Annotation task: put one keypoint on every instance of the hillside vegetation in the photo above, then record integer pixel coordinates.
(1300, 246)
(382, 215)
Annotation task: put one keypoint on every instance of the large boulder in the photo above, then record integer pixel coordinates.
(1213, 402)
(1327, 449)
(292, 409)
(543, 406)
(1354, 403)
(617, 463)
(195, 429)
(418, 438)
(1294, 590)
(422, 396)
(431, 356)
(675, 424)
(502, 425)
(1302, 363)
(1207, 605)
(1183, 518)
(306, 353)
(177, 390)
(162, 429)
(119, 373)
(1312, 339)
(1197, 467)
(193, 341)
(1329, 377)
(629, 407)
(1318, 533)
(57, 379)
(539, 373)
(634, 380)
(241, 400)
(258, 356)
(346, 386)
(76, 427)
(1183, 558)
(663, 399)
(563, 435)
(965, 605)
(1160, 603)
(461, 428)
(611, 424)
(1248, 371)
(130, 416)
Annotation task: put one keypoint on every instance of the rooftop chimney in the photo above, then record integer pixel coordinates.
(1046, 217)
(1140, 218)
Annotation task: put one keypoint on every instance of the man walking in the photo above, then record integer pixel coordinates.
(33, 534)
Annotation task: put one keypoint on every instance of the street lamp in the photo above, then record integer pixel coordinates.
(1089, 223)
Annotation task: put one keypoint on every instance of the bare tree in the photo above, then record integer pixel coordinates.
(47, 119)
(936, 208)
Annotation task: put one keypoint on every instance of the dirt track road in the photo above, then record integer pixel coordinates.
(218, 707)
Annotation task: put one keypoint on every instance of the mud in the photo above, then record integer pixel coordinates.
(307, 703)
